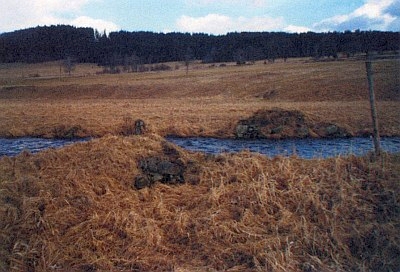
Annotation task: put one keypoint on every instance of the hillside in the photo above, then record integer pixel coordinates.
(133, 49)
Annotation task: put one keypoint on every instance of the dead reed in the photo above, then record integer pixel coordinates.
(74, 209)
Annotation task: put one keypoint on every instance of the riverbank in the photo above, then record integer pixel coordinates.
(208, 102)
(97, 118)
(87, 207)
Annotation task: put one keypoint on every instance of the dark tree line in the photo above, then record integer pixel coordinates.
(132, 49)
(47, 43)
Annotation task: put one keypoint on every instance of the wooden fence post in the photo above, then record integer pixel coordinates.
(376, 136)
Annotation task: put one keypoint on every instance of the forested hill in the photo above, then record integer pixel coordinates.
(88, 45)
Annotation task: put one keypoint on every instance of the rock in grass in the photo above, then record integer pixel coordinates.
(156, 169)
(130, 127)
(141, 182)
(140, 127)
(329, 130)
(166, 170)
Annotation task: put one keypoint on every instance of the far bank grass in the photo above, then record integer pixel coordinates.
(209, 101)
(182, 117)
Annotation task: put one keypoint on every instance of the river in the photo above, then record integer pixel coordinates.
(305, 148)
(14, 146)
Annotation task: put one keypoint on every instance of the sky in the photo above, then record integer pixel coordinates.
(204, 16)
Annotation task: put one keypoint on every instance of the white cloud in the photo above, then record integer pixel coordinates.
(84, 21)
(212, 23)
(371, 15)
(58, 5)
(21, 14)
(296, 29)
(221, 24)
(254, 3)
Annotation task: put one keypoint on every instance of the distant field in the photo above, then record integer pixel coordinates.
(208, 101)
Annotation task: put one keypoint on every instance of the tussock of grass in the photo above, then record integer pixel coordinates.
(75, 209)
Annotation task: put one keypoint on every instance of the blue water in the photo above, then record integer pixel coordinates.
(304, 148)
(12, 147)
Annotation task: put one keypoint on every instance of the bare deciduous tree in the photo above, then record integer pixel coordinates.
(69, 65)
(188, 59)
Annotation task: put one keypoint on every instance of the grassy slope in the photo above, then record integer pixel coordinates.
(75, 209)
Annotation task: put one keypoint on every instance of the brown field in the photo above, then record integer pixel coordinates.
(78, 208)
(209, 101)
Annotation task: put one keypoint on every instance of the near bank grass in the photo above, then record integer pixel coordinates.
(74, 209)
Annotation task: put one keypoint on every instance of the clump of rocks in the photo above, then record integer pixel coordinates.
(168, 168)
(279, 124)
(133, 127)
(68, 132)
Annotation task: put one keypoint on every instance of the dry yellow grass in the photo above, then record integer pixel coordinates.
(207, 102)
(184, 117)
(14, 73)
(75, 209)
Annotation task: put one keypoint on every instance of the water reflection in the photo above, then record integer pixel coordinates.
(12, 147)
(305, 148)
